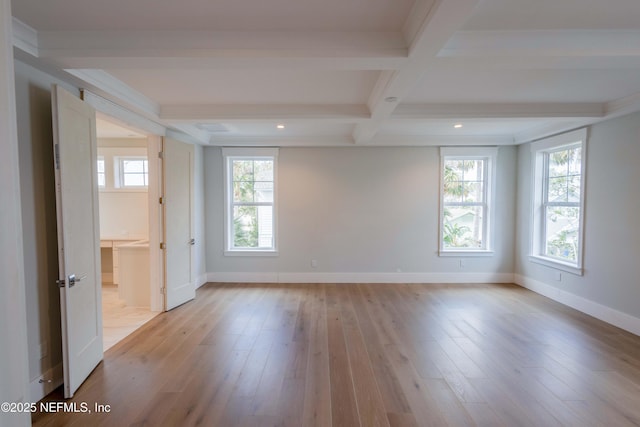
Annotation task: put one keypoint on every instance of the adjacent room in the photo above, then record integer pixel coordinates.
(329, 213)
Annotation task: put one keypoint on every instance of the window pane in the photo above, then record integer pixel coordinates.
(557, 189)
(462, 227)
(263, 191)
(574, 189)
(575, 161)
(243, 191)
(473, 170)
(473, 192)
(263, 170)
(101, 180)
(562, 232)
(245, 227)
(453, 191)
(134, 180)
(558, 163)
(100, 166)
(253, 227)
(133, 166)
(243, 170)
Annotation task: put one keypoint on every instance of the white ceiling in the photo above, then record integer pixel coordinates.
(508, 70)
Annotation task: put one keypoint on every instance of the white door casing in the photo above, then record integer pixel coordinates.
(178, 211)
(75, 152)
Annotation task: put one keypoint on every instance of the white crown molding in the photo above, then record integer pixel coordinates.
(194, 134)
(25, 38)
(113, 87)
(626, 105)
(599, 311)
(394, 140)
(491, 111)
(281, 141)
(337, 113)
(274, 277)
(124, 115)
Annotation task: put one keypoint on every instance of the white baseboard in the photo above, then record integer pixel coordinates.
(51, 380)
(234, 277)
(602, 312)
(201, 280)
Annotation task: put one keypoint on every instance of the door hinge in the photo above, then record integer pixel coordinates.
(162, 290)
(161, 200)
(56, 154)
(163, 246)
(161, 154)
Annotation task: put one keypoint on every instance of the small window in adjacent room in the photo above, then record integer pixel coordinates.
(466, 209)
(250, 201)
(133, 172)
(559, 167)
(102, 178)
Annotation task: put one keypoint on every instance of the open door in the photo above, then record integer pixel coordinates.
(75, 150)
(178, 223)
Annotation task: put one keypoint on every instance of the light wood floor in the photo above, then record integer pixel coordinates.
(118, 319)
(366, 355)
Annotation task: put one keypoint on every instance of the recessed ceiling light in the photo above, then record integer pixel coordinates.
(280, 126)
(457, 125)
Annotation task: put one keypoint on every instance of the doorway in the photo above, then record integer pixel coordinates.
(124, 181)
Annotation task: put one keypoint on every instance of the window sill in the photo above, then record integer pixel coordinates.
(465, 253)
(257, 253)
(558, 265)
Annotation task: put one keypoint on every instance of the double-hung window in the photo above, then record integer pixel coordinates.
(559, 166)
(134, 171)
(102, 177)
(466, 203)
(250, 177)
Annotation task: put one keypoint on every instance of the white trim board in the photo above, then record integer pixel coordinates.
(51, 380)
(276, 277)
(606, 314)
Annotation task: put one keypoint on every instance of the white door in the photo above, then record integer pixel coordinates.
(74, 138)
(178, 208)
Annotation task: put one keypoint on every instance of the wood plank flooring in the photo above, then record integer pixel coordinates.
(365, 355)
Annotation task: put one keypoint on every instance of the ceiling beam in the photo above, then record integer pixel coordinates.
(337, 113)
(498, 111)
(544, 43)
(224, 49)
(440, 20)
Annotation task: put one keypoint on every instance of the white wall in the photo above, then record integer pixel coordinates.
(124, 213)
(13, 342)
(609, 288)
(364, 210)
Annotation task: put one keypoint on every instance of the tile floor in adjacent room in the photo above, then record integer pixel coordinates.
(118, 320)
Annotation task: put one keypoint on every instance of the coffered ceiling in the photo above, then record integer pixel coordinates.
(346, 72)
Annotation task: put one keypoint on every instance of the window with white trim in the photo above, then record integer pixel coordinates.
(102, 177)
(466, 209)
(250, 176)
(132, 172)
(559, 166)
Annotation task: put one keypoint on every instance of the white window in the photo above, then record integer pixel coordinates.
(466, 209)
(250, 177)
(559, 167)
(102, 178)
(132, 172)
